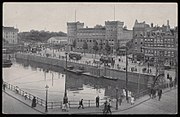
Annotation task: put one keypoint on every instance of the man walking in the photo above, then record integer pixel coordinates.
(109, 107)
(33, 102)
(81, 104)
(160, 93)
(4, 87)
(97, 101)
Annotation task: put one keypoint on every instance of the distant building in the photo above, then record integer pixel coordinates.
(10, 35)
(113, 32)
(58, 40)
(155, 43)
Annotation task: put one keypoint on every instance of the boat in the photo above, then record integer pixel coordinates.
(7, 63)
(109, 78)
(105, 77)
(76, 71)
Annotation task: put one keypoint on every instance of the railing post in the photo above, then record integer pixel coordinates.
(29, 96)
(60, 104)
(23, 93)
(37, 100)
(69, 104)
(89, 103)
(51, 105)
(41, 102)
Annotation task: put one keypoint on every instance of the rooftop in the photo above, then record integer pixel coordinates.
(10, 29)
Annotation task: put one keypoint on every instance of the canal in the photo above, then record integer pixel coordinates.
(33, 77)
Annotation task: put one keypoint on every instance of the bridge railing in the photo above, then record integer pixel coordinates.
(21, 92)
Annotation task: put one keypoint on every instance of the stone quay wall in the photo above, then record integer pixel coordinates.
(132, 77)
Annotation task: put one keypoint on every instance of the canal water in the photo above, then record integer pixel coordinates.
(33, 77)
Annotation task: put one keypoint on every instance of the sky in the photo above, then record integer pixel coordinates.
(54, 16)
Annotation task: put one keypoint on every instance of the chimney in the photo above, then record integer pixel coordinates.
(151, 24)
(167, 22)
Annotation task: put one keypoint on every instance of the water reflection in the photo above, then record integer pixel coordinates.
(78, 86)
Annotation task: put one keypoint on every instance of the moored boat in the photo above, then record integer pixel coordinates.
(7, 63)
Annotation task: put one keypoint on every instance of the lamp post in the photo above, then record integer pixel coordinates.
(46, 109)
(126, 76)
(116, 98)
(65, 99)
(138, 80)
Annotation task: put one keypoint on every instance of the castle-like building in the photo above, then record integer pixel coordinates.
(114, 32)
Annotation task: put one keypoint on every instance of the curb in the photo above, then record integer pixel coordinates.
(133, 105)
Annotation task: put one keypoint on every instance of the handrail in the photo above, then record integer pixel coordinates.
(87, 103)
(21, 92)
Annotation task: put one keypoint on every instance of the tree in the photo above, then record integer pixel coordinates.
(74, 44)
(85, 46)
(107, 47)
(95, 47)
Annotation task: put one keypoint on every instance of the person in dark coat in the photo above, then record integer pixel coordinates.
(4, 87)
(105, 107)
(81, 104)
(109, 107)
(153, 93)
(97, 101)
(34, 102)
(160, 93)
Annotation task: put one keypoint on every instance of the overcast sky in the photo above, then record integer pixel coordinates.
(54, 16)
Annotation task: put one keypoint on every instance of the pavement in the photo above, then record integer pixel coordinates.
(16, 104)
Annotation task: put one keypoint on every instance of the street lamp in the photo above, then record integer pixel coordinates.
(46, 109)
(65, 99)
(138, 80)
(126, 49)
(126, 76)
(116, 98)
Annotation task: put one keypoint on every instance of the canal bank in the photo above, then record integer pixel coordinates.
(132, 77)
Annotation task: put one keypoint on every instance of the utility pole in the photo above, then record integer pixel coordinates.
(75, 15)
(126, 76)
(116, 98)
(114, 13)
(139, 80)
(65, 99)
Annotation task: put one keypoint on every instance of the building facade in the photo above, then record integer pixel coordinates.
(113, 32)
(10, 35)
(157, 44)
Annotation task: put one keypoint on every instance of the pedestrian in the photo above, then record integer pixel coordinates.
(81, 104)
(170, 83)
(97, 101)
(120, 101)
(25, 95)
(160, 93)
(17, 89)
(153, 93)
(105, 107)
(109, 107)
(4, 87)
(33, 102)
(150, 92)
(132, 100)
